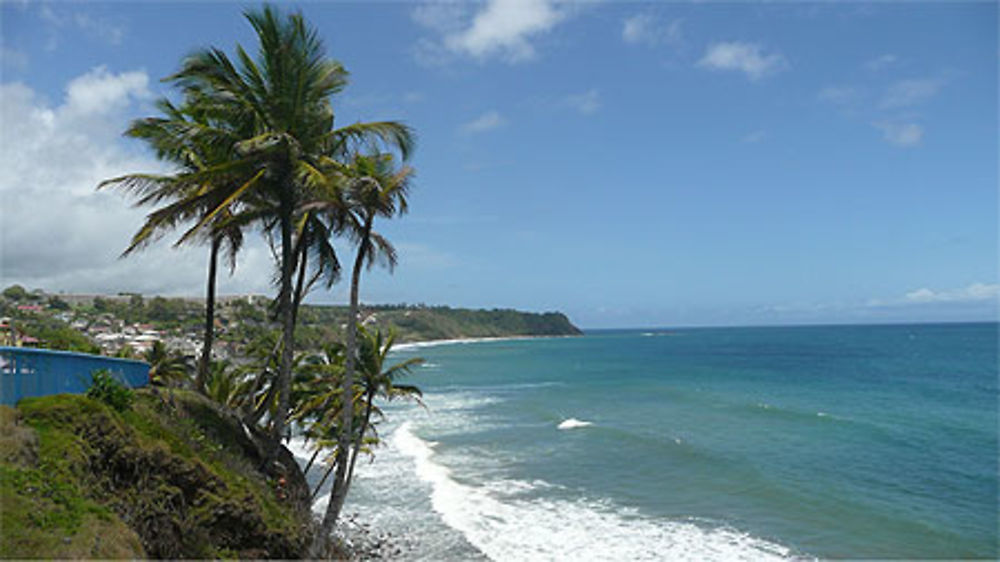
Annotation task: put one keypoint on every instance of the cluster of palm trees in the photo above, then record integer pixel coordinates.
(255, 147)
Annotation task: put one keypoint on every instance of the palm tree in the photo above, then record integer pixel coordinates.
(194, 155)
(227, 385)
(321, 404)
(376, 188)
(166, 367)
(379, 380)
(318, 402)
(282, 100)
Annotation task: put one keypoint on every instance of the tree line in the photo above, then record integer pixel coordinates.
(255, 148)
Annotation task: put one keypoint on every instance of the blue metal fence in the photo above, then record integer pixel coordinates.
(28, 372)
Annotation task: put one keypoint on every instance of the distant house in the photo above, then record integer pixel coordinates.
(29, 308)
(7, 335)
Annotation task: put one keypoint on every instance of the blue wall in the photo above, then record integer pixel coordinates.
(28, 372)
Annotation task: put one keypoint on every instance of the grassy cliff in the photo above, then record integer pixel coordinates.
(173, 476)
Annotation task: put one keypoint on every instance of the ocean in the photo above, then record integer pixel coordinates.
(701, 444)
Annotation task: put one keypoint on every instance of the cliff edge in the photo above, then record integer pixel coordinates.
(172, 476)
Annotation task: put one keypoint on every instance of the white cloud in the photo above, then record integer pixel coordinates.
(900, 134)
(645, 29)
(754, 137)
(881, 62)
(747, 58)
(500, 28)
(586, 103)
(976, 292)
(444, 17)
(907, 93)
(485, 122)
(102, 92)
(105, 30)
(56, 231)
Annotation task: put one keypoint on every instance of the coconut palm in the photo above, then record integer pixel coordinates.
(166, 368)
(317, 406)
(314, 240)
(227, 385)
(181, 190)
(281, 101)
(378, 380)
(375, 188)
(321, 406)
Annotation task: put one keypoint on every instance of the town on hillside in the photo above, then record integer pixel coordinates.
(128, 324)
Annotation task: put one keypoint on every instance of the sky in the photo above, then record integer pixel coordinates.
(630, 164)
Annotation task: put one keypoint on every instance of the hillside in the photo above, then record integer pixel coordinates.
(93, 323)
(422, 323)
(171, 477)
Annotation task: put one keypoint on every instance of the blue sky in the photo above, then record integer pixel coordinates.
(631, 164)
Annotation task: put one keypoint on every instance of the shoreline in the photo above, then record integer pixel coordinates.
(406, 346)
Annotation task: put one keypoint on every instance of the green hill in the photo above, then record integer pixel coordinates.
(77, 322)
(420, 323)
(171, 477)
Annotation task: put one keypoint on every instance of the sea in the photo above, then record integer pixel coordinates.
(766, 443)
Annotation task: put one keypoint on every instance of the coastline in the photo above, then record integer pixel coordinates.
(406, 346)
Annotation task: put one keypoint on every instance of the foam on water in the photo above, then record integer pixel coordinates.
(460, 341)
(573, 423)
(301, 449)
(505, 527)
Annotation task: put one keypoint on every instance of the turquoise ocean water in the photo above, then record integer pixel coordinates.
(737, 443)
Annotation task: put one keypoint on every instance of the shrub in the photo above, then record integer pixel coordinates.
(108, 389)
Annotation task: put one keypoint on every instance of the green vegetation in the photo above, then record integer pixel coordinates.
(16, 293)
(165, 367)
(111, 391)
(254, 147)
(51, 332)
(82, 480)
(257, 146)
(318, 394)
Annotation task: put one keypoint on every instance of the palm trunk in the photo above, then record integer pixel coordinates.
(206, 351)
(258, 412)
(287, 327)
(305, 471)
(339, 492)
(316, 492)
(359, 439)
(300, 283)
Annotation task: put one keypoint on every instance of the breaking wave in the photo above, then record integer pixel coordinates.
(506, 524)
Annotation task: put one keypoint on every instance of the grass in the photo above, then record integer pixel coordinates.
(167, 478)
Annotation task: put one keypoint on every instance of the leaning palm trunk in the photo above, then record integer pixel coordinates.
(206, 350)
(315, 493)
(359, 439)
(312, 459)
(299, 285)
(339, 492)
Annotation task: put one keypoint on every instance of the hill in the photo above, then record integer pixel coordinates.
(93, 323)
(170, 477)
(423, 323)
